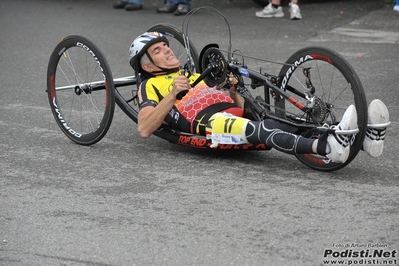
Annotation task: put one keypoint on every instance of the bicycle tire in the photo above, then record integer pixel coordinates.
(336, 83)
(80, 90)
(127, 100)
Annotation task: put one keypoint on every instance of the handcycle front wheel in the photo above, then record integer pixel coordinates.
(336, 85)
(127, 99)
(80, 90)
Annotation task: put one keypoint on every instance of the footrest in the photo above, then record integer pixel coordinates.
(337, 131)
(346, 132)
(384, 125)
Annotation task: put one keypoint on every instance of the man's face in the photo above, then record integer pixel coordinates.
(162, 56)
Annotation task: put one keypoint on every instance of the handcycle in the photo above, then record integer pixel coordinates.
(312, 90)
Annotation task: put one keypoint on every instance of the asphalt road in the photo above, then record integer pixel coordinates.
(129, 201)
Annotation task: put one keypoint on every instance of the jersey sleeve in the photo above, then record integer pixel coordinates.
(148, 95)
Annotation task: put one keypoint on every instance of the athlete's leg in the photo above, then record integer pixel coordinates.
(228, 129)
(272, 134)
(335, 147)
(225, 128)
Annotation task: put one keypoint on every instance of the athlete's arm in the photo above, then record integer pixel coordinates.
(233, 95)
(236, 97)
(150, 118)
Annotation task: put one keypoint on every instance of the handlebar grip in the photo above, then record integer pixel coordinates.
(202, 76)
(206, 72)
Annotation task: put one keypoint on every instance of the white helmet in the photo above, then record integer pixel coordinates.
(140, 45)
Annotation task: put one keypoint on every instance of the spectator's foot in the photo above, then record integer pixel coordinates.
(166, 9)
(133, 6)
(295, 12)
(119, 4)
(181, 11)
(378, 120)
(270, 12)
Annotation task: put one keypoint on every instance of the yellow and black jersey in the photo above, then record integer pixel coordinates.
(194, 108)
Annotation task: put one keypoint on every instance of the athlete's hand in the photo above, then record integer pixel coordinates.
(181, 85)
(233, 80)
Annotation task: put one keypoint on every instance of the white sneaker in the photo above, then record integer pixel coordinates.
(339, 144)
(396, 8)
(378, 114)
(270, 12)
(295, 12)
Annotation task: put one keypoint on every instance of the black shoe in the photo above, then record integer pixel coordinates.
(133, 6)
(119, 4)
(166, 9)
(182, 11)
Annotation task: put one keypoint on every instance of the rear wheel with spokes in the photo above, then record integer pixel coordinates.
(80, 90)
(326, 75)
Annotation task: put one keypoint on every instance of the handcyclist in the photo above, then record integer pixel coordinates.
(208, 111)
